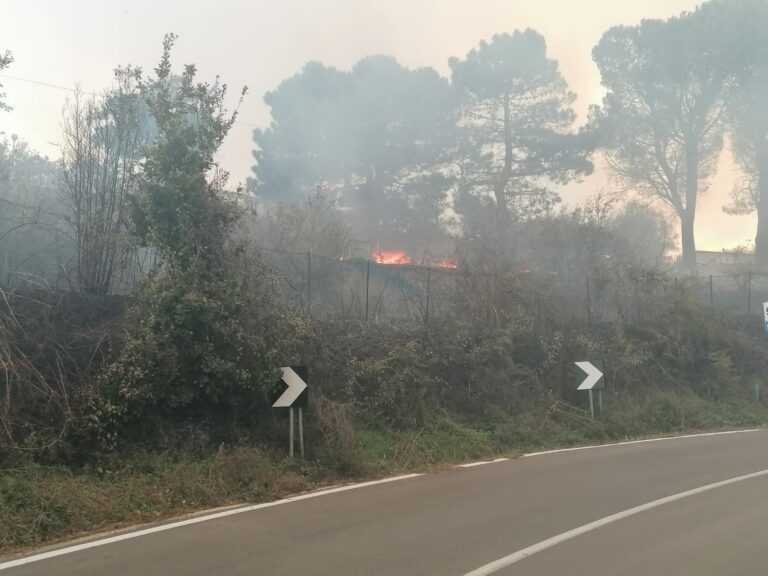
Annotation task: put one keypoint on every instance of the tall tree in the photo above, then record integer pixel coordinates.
(748, 114)
(662, 115)
(103, 142)
(371, 138)
(518, 120)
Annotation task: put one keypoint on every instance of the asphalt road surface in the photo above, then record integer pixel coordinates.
(582, 505)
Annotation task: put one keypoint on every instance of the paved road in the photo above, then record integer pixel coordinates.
(456, 521)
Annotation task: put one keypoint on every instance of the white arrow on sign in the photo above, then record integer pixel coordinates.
(295, 387)
(593, 375)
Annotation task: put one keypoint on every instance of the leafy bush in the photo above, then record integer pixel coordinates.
(192, 353)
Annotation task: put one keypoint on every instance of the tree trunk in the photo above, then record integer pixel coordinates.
(761, 238)
(688, 241)
(688, 217)
(500, 186)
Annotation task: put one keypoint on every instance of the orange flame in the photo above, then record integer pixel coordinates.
(396, 257)
(447, 265)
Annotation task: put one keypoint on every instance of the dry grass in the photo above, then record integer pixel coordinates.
(341, 445)
(39, 504)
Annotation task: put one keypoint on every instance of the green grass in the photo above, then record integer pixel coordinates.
(377, 444)
(445, 439)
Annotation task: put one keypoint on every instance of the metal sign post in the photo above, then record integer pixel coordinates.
(765, 321)
(593, 381)
(301, 432)
(296, 395)
(765, 315)
(290, 441)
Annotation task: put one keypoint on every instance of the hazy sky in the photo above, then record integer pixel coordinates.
(259, 43)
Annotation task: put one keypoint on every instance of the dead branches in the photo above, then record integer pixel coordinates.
(50, 343)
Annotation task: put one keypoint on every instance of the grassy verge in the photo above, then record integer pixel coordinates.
(42, 504)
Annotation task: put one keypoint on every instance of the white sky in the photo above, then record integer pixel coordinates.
(259, 43)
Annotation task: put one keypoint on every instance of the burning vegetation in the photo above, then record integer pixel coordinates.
(401, 258)
(392, 257)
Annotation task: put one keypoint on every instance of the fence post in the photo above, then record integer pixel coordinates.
(367, 286)
(711, 293)
(309, 282)
(538, 314)
(341, 291)
(426, 313)
(749, 292)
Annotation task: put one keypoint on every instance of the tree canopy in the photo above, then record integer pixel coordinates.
(517, 123)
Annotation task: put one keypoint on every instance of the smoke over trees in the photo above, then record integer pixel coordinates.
(498, 139)
(411, 160)
(375, 139)
(400, 147)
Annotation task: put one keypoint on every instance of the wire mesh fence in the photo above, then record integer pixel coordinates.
(362, 289)
(359, 288)
(737, 293)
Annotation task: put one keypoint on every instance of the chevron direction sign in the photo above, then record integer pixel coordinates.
(594, 379)
(296, 393)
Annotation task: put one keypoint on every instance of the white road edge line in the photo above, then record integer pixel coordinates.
(483, 463)
(570, 534)
(663, 438)
(195, 520)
